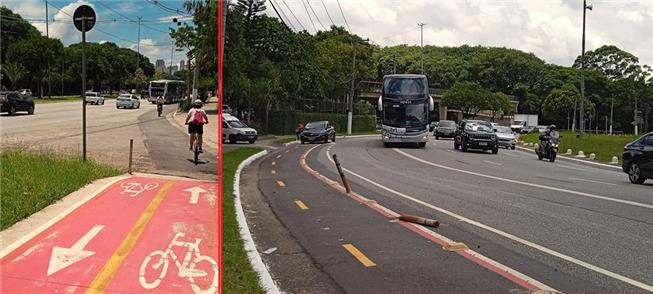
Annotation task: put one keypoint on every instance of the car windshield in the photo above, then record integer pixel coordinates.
(446, 124)
(91, 94)
(505, 130)
(126, 96)
(237, 124)
(478, 127)
(316, 125)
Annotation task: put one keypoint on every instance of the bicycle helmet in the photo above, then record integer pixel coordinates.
(197, 102)
(552, 128)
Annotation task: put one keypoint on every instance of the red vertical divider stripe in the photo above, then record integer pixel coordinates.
(221, 25)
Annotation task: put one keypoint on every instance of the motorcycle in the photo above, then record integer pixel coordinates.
(549, 149)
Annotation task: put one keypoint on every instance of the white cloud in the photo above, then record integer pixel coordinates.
(158, 50)
(551, 29)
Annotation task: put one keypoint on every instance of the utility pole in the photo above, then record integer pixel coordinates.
(582, 77)
(138, 46)
(421, 29)
(636, 118)
(47, 34)
(172, 52)
(63, 65)
(611, 112)
(350, 104)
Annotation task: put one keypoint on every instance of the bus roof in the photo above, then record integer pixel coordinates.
(404, 76)
(167, 81)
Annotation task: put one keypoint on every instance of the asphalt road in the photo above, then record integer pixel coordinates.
(572, 227)
(158, 146)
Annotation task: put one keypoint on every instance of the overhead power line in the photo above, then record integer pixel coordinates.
(282, 20)
(316, 17)
(309, 15)
(293, 14)
(343, 16)
(327, 12)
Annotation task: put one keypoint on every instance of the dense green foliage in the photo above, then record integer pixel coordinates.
(31, 181)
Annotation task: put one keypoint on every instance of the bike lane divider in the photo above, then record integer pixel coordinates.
(178, 249)
(66, 256)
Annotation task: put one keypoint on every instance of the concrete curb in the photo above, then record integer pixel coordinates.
(252, 253)
(584, 162)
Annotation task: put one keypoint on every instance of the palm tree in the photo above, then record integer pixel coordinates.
(14, 72)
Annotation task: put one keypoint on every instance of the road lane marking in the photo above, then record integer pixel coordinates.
(492, 162)
(301, 205)
(279, 156)
(509, 154)
(492, 265)
(274, 163)
(287, 151)
(592, 181)
(273, 172)
(359, 255)
(633, 203)
(63, 257)
(570, 167)
(102, 280)
(505, 234)
(281, 183)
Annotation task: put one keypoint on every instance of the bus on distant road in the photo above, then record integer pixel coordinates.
(172, 90)
(403, 109)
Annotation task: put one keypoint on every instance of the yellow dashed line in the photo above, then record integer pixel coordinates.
(281, 183)
(359, 255)
(301, 205)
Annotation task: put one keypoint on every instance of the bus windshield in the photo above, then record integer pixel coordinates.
(405, 86)
(405, 115)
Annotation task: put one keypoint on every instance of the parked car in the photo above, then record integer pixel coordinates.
(445, 129)
(638, 159)
(94, 98)
(476, 134)
(318, 131)
(12, 102)
(235, 130)
(529, 130)
(26, 93)
(505, 137)
(127, 101)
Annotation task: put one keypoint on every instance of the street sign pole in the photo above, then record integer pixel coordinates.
(84, 87)
(84, 20)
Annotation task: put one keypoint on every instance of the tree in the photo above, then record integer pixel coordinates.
(31, 55)
(13, 28)
(557, 104)
(468, 97)
(613, 62)
(139, 80)
(499, 104)
(14, 72)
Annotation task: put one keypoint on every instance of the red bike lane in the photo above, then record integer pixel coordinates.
(100, 246)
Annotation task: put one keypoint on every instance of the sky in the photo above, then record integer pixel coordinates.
(551, 29)
(116, 22)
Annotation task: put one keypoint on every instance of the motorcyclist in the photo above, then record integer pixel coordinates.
(545, 138)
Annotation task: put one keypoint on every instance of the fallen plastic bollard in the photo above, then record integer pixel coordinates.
(419, 220)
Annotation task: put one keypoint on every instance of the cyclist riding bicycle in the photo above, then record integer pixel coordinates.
(159, 104)
(195, 120)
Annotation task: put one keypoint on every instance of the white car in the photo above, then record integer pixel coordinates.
(94, 98)
(505, 137)
(127, 101)
(234, 130)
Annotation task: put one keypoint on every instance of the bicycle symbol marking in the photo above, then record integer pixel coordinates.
(135, 188)
(185, 268)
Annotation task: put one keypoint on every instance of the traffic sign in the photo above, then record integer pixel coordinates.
(84, 13)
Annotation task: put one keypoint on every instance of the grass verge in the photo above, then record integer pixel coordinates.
(57, 99)
(239, 277)
(603, 146)
(285, 139)
(33, 180)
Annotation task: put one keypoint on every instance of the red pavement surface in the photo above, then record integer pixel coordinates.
(75, 252)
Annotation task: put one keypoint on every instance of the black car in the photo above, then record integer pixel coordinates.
(476, 134)
(12, 102)
(638, 159)
(318, 131)
(445, 129)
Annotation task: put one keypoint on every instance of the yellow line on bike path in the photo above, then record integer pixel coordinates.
(359, 255)
(110, 269)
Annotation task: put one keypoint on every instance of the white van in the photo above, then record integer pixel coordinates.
(234, 130)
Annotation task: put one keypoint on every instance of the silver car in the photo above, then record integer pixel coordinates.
(127, 101)
(505, 136)
(94, 98)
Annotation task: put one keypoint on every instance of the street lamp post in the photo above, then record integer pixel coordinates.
(582, 76)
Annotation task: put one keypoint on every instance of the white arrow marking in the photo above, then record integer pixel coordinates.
(194, 194)
(64, 257)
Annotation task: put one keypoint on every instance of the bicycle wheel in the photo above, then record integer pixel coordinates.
(161, 264)
(210, 282)
(196, 153)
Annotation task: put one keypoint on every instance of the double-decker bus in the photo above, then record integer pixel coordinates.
(403, 109)
(171, 90)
